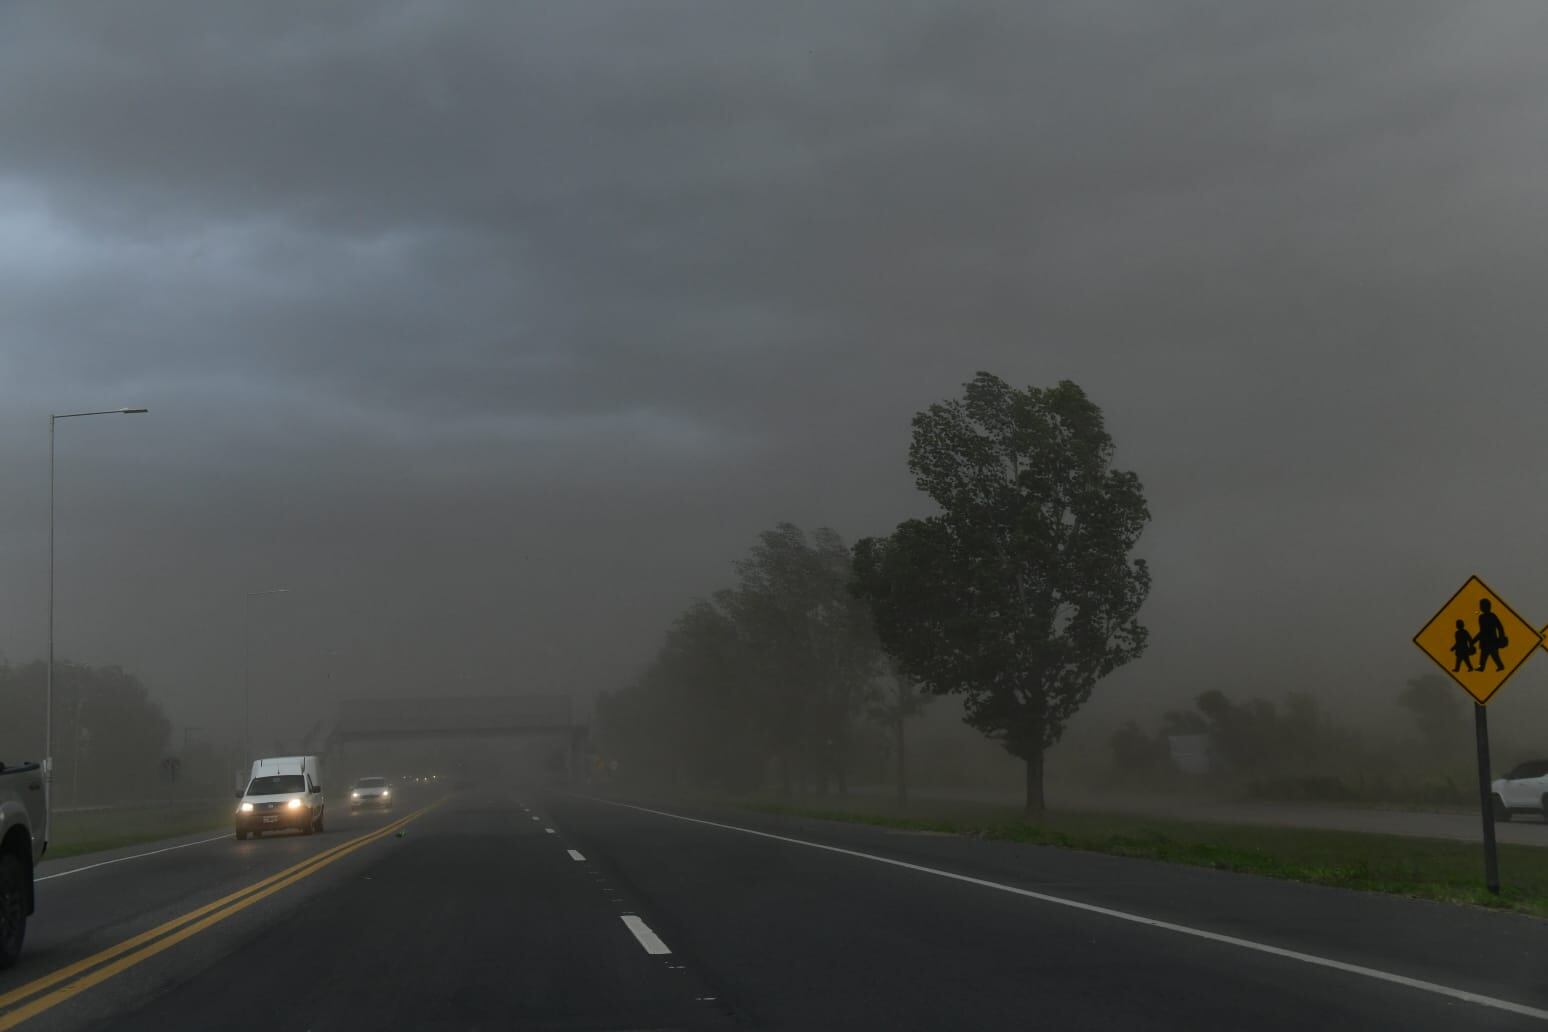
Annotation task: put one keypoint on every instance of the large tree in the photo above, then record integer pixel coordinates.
(1023, 592)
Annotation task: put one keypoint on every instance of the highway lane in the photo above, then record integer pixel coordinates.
(477, 917)
(87, 903)
(795, 937)
(564, 912)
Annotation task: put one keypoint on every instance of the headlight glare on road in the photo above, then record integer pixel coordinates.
(246, 807)
(294, 804)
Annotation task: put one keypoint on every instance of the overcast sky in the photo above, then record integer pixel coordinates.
(497, 331)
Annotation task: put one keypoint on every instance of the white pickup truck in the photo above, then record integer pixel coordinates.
(23, 837)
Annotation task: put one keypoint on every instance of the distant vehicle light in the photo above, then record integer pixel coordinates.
(246, 808)
(294, 804)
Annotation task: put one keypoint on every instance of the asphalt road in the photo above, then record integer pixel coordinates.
(552, 911)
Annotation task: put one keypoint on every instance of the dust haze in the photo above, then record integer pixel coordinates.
(496, 333)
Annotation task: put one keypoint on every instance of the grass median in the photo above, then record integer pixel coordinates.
(72, 834)
(1431, 869)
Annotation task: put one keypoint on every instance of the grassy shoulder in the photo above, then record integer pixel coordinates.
(73, 834)
(1431, 869)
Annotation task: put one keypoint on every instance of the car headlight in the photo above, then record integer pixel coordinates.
(385, 793)
(294, 804)
(246, 808)
(354, 795)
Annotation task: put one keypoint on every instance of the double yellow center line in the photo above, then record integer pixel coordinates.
(95, 969)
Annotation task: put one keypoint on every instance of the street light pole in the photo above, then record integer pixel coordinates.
(48, 692)
(247, 667)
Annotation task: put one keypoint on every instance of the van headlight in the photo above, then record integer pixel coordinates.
(294, 804)
(385, 793)
(354, 795)
(246, 808)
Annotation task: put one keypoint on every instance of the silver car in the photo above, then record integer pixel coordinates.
(370, 794)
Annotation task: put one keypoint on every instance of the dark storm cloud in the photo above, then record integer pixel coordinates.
(498, 330)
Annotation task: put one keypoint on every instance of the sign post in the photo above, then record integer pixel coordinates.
(1485, 800)
(1479, 641)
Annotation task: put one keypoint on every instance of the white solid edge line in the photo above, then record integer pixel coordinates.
(1122, 915)
(137, 856)
(648, 939)
(574, 855)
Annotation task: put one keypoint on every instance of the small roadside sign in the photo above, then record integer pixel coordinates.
(1478, 640)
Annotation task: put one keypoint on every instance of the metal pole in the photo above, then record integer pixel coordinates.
(247, 680)
(48, 692)
(247, 667)
(1486, 800)
(75, 775)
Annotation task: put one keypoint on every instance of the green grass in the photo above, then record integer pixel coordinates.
(1431, 869)
(72, 834)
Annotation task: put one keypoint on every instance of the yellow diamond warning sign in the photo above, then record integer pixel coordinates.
(1478, 640)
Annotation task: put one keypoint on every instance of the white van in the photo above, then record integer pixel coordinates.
(283, 792)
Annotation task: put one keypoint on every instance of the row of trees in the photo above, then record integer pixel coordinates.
(775, 671)
(1018, 595)
(110, 736)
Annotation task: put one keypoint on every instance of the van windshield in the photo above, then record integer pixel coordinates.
(277, 784)
(372, 782)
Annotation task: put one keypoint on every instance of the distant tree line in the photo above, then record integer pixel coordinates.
(1294, 748)
(766, 678)
(110, 737)
(1018, 595)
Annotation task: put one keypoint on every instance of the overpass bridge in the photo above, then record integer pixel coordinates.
(494, 716)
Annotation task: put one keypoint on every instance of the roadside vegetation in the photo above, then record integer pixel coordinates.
(1017, 596)
(1430, 869)
(72, 834)
(113, 743)
(1294, 750)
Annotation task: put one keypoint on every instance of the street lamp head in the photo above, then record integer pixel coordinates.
(133, 411)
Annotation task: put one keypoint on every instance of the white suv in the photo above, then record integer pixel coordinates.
(1523, 790)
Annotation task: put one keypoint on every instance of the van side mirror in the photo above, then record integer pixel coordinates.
(240, 793)
(317, 790)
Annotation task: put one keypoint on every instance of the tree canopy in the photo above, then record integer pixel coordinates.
(1023, 591)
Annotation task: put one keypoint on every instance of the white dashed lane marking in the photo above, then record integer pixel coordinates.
(647, 938)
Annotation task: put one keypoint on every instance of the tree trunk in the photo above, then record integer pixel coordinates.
(902, 767)
(1034, 806)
